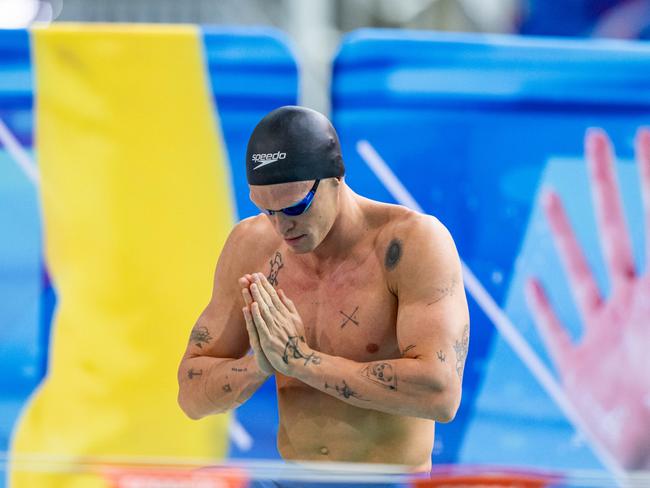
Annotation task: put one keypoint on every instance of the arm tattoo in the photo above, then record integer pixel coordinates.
(350, 318)
(381, 374)
(345, 391)
(191, 373)
(407, 349)
(200, 335)
(276, 263)
(446, 291)
(461, 348)
(393, 254)
(292, 351)
(441, 356)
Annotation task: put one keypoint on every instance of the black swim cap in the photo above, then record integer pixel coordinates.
(293, 144)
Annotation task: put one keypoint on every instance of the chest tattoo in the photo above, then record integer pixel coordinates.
(350, 318)
(276, 264)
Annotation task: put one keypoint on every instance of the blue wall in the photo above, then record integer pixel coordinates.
(470, 124)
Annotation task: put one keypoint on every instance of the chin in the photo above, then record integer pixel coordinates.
(301, 249)
(304, 247)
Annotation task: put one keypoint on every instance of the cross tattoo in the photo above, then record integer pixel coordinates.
(350, 318)
(191, 373)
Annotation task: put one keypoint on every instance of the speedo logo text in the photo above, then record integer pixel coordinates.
(267, 158)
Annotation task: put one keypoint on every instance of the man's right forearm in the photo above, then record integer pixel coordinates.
(210, 385)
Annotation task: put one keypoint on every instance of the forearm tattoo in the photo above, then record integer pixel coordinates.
(191, 373)
(292, 351)
(407, 349)
(461, 346)
(382, 374)
(276, 264)
(345, 391)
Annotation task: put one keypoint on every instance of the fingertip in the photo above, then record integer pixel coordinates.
(531, 287)
(597, 148)
(552, 206)
(643, 141)
(595, 136)
(594, 131)
(536, 296)
(549, 197)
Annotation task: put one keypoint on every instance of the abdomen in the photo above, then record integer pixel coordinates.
(316, 426)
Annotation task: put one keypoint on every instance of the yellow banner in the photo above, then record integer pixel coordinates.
(136, 203)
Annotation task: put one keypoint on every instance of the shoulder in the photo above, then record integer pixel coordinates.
(252, 232)
(411, 244)
(249, 240)
(406, 233)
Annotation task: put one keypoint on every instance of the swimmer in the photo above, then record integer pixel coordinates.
(356, 306)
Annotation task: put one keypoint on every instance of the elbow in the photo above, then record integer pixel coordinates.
(192, 408)
(184, 398)
(445, 402)
(446, 412)
(187, 407)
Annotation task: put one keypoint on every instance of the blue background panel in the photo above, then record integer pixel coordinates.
(468, 124)
(22, 345)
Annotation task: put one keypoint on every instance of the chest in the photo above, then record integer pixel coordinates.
(349, 313)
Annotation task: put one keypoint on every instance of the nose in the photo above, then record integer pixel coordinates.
(283, 223)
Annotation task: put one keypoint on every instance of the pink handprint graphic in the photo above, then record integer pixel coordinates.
(606, 374)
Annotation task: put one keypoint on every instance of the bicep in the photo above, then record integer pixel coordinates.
(220, 330)
(434, 328)
(433, 318)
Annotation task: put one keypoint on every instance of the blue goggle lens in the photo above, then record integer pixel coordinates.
(300, 207)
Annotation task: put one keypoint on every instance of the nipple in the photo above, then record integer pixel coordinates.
(372, 348)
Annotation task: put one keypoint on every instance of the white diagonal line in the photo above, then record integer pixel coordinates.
(19, 154)
(498, 317)
(239, 435)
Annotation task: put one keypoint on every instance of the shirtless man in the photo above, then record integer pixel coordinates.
(357, 307)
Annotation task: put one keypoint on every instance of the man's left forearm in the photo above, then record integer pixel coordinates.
(407, 387)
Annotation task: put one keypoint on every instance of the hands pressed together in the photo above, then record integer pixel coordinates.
(275, 329)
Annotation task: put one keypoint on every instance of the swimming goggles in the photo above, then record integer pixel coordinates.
(299, 208)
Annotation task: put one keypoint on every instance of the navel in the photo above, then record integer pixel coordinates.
(324, 451)
(372, 348)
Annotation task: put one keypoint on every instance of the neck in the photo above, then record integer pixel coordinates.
(348, 229)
